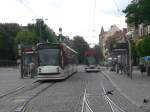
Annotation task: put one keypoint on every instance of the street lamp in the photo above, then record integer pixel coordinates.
(129, 38)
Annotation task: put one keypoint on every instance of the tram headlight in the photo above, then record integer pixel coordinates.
(58, 70)
(40, 70)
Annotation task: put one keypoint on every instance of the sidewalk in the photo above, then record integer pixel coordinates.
(10, 79)
(135, 89)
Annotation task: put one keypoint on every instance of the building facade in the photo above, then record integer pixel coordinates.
(103, 39)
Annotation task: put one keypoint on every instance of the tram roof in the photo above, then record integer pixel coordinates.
(64, 45)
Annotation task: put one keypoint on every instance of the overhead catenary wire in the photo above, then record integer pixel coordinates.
(94, 13)
(117, 7)
(29, 9)
(94, 18)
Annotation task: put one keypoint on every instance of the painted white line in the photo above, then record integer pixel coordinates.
(121, 92)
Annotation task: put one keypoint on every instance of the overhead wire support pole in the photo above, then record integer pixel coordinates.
(130, 59)
(130, 36)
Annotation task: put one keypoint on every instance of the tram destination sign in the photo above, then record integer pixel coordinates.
(48, 46)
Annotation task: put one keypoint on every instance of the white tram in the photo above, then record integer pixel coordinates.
(55, 61)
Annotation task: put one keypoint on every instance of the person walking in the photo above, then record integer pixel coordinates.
(142, 69)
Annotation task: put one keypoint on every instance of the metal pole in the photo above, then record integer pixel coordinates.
(40, 31)
(21, 64)
(130, 60)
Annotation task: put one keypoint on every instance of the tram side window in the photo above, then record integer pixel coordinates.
(70, 58)
(65, 60)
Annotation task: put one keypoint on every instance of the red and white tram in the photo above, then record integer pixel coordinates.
(55, 61)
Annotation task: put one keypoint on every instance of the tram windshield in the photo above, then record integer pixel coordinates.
(90, 60)
(48, 57)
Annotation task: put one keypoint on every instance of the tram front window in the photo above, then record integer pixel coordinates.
(49, 57)
(90, 60)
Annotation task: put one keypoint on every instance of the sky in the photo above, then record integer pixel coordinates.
(75, 17)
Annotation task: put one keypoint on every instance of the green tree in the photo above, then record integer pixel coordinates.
(50, 35)
(26, 37)
(132, 14)
(143, 49)
(143, 46)
(138, 12)
(43, 31)
(134, 53)
(143, 8)
(80, 45)
(99, 54)
(146, 46)
(8, 32)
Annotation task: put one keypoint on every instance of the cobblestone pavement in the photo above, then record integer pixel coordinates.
(10, 79)
(134, 90)
(119, 99)
(67, 95)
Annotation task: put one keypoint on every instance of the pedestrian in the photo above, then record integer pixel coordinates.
(31, 69)
(118, 68)
(142, 69)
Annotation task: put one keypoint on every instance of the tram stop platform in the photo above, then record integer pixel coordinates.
(10, 79)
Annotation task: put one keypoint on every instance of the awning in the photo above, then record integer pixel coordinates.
(146, 58)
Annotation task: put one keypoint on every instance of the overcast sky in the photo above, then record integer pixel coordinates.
(75, 17)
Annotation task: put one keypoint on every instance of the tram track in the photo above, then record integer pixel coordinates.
(108, 96)
(117, 100)
(86, 106)
(23, 107)
(11, 91)
(113, 105)
(18, 99)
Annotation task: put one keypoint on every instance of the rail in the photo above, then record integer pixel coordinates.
(22, 107)
(114, 107)
(85, 106)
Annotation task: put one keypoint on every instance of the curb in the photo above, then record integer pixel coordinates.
(121, 92)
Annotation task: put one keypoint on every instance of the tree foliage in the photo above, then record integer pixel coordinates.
(80, 45)
(26, 37)
(43, 31)
(110, 42)
(138, 12)
(143, 46)
(99, 54)
(8, 32)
